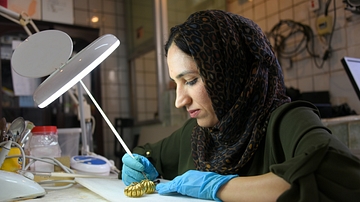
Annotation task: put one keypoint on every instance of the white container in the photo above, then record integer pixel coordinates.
(69, 139)
(44, 143)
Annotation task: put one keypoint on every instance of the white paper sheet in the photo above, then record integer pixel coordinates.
(58, 11)
(113, 190)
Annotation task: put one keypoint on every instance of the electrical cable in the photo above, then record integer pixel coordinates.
(71, 183)
(289, 29)
(327, 4)
(23, 156)
(352, 5)
(327, 53)
(46, 183)
(50, 160)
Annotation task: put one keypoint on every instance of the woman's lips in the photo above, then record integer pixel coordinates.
(194, 113)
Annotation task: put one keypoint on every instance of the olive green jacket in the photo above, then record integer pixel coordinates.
(297, 147)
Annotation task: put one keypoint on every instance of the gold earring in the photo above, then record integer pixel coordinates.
(136, 189)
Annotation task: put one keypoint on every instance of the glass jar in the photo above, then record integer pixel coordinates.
(44, 143)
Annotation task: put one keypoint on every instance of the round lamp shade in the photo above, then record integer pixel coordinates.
(75, 69)
(42, 53)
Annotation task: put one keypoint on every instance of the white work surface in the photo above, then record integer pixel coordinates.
(104, 189)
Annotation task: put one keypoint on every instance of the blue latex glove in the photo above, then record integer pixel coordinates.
(199, 184)
(133, 169)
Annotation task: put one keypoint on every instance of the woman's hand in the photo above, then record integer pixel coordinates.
(213, 186)
(134, 169)
(195, 183)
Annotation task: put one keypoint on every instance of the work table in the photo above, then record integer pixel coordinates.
(74, 194)
(104, 189)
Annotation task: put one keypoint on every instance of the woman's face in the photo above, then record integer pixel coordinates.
(190, 89)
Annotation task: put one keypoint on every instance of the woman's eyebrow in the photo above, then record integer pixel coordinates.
(185, 73)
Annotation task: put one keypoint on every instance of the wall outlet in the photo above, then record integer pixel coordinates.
(324, 25)
(314, 5)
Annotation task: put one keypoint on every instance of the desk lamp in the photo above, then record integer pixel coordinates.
(53, 49)
(36, 53)
(68, 74)
(47, 53)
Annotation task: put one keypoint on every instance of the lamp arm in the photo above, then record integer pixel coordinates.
(22, 19)
(86, 107)
(9, 13)
(72, 96)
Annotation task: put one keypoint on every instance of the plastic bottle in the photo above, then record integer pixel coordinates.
(44, 143)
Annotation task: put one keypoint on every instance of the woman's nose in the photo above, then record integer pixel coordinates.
(182, 98)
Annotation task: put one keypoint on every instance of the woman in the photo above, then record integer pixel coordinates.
(246, 141)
